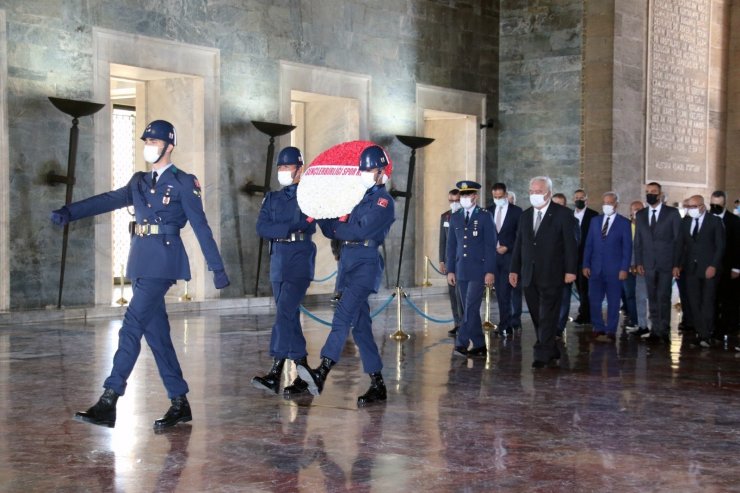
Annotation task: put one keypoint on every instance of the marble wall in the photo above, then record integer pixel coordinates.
(540, 93)
(50, 52)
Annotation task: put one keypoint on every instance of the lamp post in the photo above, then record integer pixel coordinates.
(75, 109)
(273, 130)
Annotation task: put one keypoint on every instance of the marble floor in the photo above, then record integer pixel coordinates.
(615, 417)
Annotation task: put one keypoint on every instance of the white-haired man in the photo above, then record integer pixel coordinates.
(545, 257)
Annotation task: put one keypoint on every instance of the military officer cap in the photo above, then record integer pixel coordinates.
(466, 186)
(290, 155)
(160, 130)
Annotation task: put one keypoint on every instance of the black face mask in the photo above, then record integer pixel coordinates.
(652, 198)
(716, 209)
(580, 204)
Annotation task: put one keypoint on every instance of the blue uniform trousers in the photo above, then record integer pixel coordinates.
(610, 286)
(353, 310)
(471, 330)
(146, 316)
(287, 339)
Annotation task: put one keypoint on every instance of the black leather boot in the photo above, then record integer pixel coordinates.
(375, 393)
(179, 412)
(103, 413)
(299, 386)
(315, 378)
(271, 381)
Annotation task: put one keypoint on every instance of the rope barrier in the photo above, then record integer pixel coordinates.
(420, 312)
(435, 268)
(326, 278)
(374, 314)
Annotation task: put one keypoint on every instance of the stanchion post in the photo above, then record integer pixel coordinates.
(122, 301)
(186, 295)
(487, 325)
(399, 334)
(426, 282)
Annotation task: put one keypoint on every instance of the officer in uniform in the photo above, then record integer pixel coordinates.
(471, 261)
(163, 200)
(361, 232)
(292, 259)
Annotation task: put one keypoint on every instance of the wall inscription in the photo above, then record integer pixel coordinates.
(678, 91)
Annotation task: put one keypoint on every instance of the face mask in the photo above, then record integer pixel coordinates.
(537, 199)
(716, 209)
(608, 209)
(367, 178)
(500, 202)
(455, 206)
(580, 204)
(285, 178)
(151, 154)
(651, 198)
(694, 213)
(466, 202)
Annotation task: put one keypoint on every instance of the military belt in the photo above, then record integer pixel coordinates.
(293, 238)
(364, 243)
(156, 229)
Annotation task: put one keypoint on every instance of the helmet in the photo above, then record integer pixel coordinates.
(160, 130)
(373, 157)
(290, 155)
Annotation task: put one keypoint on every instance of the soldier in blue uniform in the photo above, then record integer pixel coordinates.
(163, 200)
(361, 232)
(292, 259)
(471, 261)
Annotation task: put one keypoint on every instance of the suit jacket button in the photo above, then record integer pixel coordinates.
(465, 246)
(465, 254)
(149, 205)
(465, 237)
(166, 242)
(146, 220)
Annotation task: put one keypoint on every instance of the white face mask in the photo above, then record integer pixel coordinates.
(500, 202)
(537, 199)
(367, 178)
(694, 213)
(466, 202)
(455, 206)
(151, 154)
(608, 209)
(285, 178)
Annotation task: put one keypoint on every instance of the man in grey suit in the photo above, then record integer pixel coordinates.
(655, 237)
(453, 197)
(698, 257)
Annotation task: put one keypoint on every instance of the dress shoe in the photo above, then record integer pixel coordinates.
(375, 393)
(460, 351)
(179, 412)
(315, 379)
(103, 413)
(641, 331)
(271, 381)
(453, 332)
(630, 328)
(298, 387)
(478, 352)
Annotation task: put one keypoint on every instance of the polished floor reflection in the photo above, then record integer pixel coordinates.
(615, 417)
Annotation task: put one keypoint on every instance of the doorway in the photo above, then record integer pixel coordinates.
(321, 122)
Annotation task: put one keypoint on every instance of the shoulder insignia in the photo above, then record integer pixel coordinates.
(383, 202)
(196, 183)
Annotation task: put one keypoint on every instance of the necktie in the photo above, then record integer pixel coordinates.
(537, 222)
(154, 178)
(499, 213)
(653, 218)
(467, 216)
(696, 228)
(605, 228)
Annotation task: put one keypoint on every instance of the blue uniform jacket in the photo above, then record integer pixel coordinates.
(174, 201)
(471, 249)
(371, 219)
(611, 254)
(279, 217)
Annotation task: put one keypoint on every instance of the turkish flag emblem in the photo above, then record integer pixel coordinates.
(382, 202)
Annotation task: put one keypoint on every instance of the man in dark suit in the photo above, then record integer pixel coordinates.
(545, 257)
(506, 219)
(453, 197)
(727, 311)
(655, 236)
(583, 215)
(698, 257)
(606, 262)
